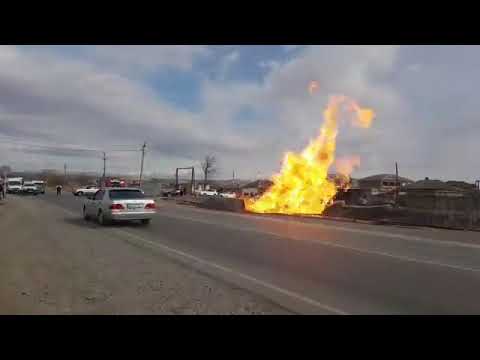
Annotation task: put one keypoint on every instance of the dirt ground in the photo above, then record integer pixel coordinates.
(50, 263)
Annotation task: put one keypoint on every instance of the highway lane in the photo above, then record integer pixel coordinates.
(346, 268)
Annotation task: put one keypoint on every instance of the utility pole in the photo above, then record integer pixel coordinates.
(141, 166)
(104, 169)
(396, 184)
(65, 174)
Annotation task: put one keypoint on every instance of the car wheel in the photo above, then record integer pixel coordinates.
(145, 221)
(85, 215)
(80, 193)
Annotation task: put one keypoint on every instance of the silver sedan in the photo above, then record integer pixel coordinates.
(119, 204)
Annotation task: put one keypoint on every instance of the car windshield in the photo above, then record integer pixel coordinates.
(126, 194)
(14, 183)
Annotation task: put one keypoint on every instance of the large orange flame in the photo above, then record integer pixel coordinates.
(302, 187)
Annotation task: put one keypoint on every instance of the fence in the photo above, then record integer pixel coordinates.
(443, 208)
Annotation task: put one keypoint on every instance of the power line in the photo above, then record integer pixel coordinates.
(79, 149)
(131, 150)
(69, 148)
(50, 147)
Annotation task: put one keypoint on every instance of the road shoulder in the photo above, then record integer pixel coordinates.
(55, 263)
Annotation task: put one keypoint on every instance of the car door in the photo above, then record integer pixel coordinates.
(96, 202)
(89, 201)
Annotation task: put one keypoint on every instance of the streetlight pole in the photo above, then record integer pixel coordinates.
(141, 166)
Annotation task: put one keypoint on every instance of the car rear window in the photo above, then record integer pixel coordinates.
(126, 194)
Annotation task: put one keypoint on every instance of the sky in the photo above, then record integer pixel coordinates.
(247, 105)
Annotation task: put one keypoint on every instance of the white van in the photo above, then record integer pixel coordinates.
(14, 185)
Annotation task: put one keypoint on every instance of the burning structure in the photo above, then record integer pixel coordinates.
(303, 185)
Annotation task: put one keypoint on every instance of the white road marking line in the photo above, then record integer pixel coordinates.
(224, 269)
(331, 244)
(383, 234)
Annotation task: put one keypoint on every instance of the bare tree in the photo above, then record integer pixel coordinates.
(209, 167)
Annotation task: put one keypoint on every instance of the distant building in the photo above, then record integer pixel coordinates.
(373, 190)
(462, 185)
(383, 182)
(429, 187)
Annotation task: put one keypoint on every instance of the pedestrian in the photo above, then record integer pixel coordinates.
(59, 190)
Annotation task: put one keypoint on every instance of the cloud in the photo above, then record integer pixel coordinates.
(269, 65)
(82, 103)
(134, 58)
(414, 67)
(289, 48)
(96, 99)
(227, 62)
(47, 98)
(295, 116)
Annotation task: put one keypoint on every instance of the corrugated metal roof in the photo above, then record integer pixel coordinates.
(430, 185)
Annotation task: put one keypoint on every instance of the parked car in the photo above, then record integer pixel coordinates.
(228, 195)
(119, 204)
(87, 190)
(115, 183)
(41, 185)
(208, 192)
(30, 188)
(171, 192)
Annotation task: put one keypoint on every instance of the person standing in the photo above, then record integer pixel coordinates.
(59, 190)
(3, 186)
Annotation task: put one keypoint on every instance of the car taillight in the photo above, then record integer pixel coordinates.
(150, 206)
(116, 207)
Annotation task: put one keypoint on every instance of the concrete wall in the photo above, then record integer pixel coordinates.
(449, 209)
(224, 204)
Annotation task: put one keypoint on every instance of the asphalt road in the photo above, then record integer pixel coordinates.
(313, 266)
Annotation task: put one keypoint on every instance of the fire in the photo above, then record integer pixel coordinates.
(364, 117)
(345, 166)
(312, 87)
(302, 186)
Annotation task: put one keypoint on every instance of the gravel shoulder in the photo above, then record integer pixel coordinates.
(53, 263)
